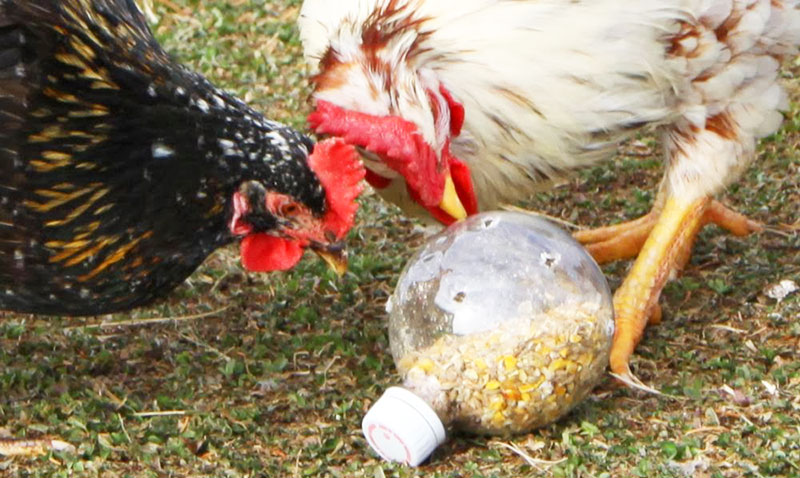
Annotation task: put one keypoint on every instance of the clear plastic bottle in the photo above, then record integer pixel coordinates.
(498, 325)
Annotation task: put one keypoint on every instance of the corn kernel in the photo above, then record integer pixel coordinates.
(497, 404)
(530, 386)
(525, 397)
(492, 385)
(509, 362)
(425, 364)
(572, 367)
(480, 364)
(511, 394)
(498, 418)
(563, 352)
(558, 364)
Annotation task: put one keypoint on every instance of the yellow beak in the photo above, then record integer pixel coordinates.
(335, 256)
(451, 204)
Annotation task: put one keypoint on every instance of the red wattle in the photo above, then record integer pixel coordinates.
(265, 253)
(463, 182)
(462, 179)
(459, 171)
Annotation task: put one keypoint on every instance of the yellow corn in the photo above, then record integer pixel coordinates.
(530, 386)
(572, 367)
(492, 385)
(497, 404)
(509, 362)
(498, 418)
(511, 394)
(558, 364)
(425, 364)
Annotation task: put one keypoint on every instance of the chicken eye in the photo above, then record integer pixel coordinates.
(290, 209)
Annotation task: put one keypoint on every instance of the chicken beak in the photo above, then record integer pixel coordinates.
(335, 255)
(451, 204)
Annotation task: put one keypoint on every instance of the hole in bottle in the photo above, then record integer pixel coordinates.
(549, 260)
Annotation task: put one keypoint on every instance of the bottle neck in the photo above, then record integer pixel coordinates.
(429, 389)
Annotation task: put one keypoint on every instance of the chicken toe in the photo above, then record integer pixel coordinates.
(625, 240)
(620, 241)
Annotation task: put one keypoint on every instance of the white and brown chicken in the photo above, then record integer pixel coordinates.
(462, 105)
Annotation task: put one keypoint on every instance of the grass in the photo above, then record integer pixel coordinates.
(270, 375)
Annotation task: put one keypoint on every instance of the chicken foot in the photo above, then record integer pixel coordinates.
(625, 240)
(664, 251)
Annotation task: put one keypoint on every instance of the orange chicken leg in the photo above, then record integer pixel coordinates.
(663, 240)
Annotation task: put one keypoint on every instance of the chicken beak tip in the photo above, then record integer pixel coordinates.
(336, 259)
(451, 204)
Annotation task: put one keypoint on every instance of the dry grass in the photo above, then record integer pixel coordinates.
(269, 375)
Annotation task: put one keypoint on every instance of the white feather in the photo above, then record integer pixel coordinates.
(582, 76)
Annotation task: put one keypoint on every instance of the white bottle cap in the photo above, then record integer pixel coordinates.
(401, 427)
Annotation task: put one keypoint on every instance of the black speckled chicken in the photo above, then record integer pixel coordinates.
(121, 170)
(465, 104)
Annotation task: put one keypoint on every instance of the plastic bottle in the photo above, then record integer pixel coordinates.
(498, 325)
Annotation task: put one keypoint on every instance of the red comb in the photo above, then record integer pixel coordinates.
(396, 140)
(340, 172)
